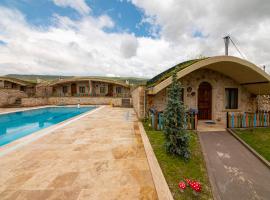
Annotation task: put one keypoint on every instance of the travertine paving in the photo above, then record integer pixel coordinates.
(3, 110)
(101, 156)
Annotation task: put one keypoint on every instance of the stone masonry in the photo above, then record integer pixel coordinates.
(246, 101)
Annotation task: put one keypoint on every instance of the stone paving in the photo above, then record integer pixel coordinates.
(100, 156)
(3, 110)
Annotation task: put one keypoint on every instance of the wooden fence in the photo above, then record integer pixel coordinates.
(248, 120)
(157, 120)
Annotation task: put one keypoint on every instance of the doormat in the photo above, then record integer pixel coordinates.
(210, 122)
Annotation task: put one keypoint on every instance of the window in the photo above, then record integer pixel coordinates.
(118, 90)
(102, 90)
(65, 89)
(23, 88)
(231, 98)
(13, 85)
(82, 89)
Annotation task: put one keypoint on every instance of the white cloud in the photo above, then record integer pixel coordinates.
(248, 21)
(129, 46)
(82, 47)
(79, 5)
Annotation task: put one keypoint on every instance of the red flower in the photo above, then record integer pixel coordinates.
(182, 185)
(196, 186)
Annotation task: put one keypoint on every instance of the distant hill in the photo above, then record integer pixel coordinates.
(33, 78)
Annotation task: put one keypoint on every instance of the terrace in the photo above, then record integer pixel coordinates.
(100, 156)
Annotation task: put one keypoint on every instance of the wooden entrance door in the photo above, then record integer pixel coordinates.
(110, 90)
(205, 101)
(73, 89)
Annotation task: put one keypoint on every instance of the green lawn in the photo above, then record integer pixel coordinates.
(175, 169)
(258, 139)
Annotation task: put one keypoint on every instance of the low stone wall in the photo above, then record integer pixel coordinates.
(85, 100)
(138, 101)
(28, 102)
(39, 101)
(9, 96)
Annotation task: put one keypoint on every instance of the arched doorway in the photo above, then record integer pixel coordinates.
(205, 101)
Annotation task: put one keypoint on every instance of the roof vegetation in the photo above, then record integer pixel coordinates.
(52, 78)
(167, 73)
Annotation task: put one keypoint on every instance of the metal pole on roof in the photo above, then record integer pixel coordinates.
(227, 42)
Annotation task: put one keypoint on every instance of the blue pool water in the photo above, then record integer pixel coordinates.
(19, 124)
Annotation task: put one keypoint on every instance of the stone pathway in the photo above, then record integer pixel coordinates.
(235, 173)
(98, 157)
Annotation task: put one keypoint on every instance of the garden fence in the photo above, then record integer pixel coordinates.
(248, 119)
(157, 120)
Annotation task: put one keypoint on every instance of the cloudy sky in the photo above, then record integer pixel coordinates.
(126, 37)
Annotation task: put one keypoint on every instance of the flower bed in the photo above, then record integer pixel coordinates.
(175, 169)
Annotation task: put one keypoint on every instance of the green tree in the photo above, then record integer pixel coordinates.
(177, 138)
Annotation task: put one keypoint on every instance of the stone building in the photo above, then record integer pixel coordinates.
(9, 83)
(76, 90)
(211, 86)
(96, 87)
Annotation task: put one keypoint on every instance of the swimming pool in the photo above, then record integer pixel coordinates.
(19, 124)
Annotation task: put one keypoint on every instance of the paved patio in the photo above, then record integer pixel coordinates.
(100, 156)
(235, 173)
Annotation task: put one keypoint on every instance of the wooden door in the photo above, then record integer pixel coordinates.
(110, 90)
(73, 89)
(205, 101)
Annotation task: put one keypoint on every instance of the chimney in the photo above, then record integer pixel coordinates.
(227, 42)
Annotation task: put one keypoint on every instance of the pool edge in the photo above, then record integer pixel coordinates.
(16, 144)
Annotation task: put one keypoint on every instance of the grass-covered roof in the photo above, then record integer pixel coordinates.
(167, 73)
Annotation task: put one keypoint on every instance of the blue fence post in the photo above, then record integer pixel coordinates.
(244, 120)
(153, 120)
(265, 119)
(255, 120)
(232, 120)
(160, 121)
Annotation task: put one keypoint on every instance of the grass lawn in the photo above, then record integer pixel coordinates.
(258, 139)
(175, 169)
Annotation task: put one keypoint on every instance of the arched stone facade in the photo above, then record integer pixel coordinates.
(218, 81)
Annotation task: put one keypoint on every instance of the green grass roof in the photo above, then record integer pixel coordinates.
(166, 74)
(53, 78)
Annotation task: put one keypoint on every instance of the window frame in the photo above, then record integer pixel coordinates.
(65, 89)
(231, 98)
(101, 89)
(82, 89)
(117, 90)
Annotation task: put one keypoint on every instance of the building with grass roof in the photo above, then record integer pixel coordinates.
(211, 87)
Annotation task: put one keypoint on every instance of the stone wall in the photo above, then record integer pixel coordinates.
(264, 103)
(138, 101)
(43, 91)
(86, 100)
(71, 101)
(246, 101)
(9, 96)
(39, 101)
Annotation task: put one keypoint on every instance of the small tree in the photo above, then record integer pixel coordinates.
(177, 138)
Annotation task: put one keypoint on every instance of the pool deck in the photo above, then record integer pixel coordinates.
(100, 156)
